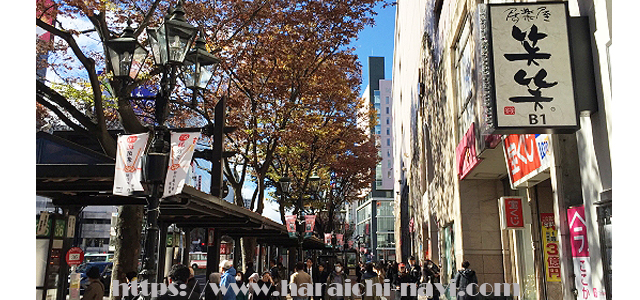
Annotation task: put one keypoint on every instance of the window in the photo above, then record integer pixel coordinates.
(387, 121)
(388, 142)
(464, 81)
(387, 109)
(386, 100)
(388, 153)
(388, 131)
(378, 130)
(376, 96)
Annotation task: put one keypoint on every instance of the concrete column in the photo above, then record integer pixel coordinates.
(567, 191)
(213, 259)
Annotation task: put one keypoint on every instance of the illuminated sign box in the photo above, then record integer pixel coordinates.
(527, 77)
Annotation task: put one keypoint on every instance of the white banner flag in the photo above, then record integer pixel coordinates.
(129, 164)
(182, 146)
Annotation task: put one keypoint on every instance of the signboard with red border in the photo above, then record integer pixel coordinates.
(512, 212)
(75, 256)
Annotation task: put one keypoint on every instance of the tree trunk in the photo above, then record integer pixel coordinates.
(127, 243)
(248, 252)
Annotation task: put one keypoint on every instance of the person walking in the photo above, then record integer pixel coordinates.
(464, 278)
(95, 289)
(228, 277)
(299, 278)
(431, 275)
(323, 275)
(311, 270)
(267, 281)
(338, 276)
(399, 278)
(241, 284)
(178, 275)
(369, 277)
(192, 283)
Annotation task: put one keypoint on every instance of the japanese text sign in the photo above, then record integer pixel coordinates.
(580, 252)
(550, 247)
(512, 212)
(527, 156)
(182, 147)
(529, 67)
(126, 179)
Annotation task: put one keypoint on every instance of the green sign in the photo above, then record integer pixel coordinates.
(170, 240)
(59, 229)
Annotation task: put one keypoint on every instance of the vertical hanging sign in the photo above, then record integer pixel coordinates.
(309, 222)
(126, 179)
(182, 146)
(527, 66)
(291, 225)
(580, 252)
(550, 247)
(340, 239)
(327, 239)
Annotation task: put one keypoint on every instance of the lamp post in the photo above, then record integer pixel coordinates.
(285, 185)
(170, 44)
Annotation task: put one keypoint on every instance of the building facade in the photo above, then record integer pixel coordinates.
(374, 234)
(453, 178)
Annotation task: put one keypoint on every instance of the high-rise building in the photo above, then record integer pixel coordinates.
(374, 215)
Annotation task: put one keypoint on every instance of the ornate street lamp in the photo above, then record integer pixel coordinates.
(199, 66)
(126, 54)
(314, 183)
(171, 42)
(285, 184)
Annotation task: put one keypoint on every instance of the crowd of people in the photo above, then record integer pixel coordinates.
(308, 272)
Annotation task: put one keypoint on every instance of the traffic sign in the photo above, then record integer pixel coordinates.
(75, 256)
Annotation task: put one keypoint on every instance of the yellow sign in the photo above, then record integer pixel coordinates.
(551, 247)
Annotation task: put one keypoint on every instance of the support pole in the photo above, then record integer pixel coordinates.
(213, 260)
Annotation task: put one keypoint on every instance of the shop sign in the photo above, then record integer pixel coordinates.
(550, 247)
(526, 68)
(43, 227)
(225, 249)
(578, 236)
(512, 212)
(340, 239)
(466, 155)
(182, 147)
(126, 179)
(527, 157)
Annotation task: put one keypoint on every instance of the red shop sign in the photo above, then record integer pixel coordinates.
(512, 212)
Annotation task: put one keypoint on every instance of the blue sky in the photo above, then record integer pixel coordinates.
(377, 41)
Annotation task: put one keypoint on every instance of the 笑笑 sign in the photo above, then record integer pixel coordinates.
(527, 157)
(528, 79)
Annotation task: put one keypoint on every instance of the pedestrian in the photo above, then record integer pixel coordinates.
(95, 289)
(338, 277)
(414, 270)
(369, 277)
(241, 284)
(399, 278)
(392, 271)
(380, 270)
(228, 277)
(282, 271)
(463, 278)
(253, 279)
(178, 275)
(323, 275)
(192, 283)
(359, 270)
(273, 269)
(431, 275)
(311, 270)
(299, 278)
(214, 278)
(267, 281)
(249, 270)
